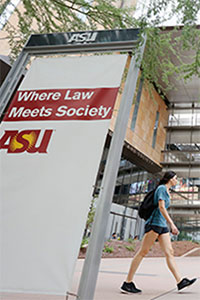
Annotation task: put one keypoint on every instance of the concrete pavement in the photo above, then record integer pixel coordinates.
(153, 278)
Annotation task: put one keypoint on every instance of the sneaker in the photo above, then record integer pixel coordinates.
(129, 288)
(185, 282)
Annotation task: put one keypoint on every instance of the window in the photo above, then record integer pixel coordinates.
(137, 103)
(155, 130)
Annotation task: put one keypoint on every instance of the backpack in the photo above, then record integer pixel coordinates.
(147, 206)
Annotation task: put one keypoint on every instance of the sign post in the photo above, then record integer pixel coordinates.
(93, 256)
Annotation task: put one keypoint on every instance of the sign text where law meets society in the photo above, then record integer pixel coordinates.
(62, 104)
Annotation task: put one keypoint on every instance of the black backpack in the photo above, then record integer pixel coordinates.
(147, 206)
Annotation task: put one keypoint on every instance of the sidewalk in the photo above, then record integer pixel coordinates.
(153, 278)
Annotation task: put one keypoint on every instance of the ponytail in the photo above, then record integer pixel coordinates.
(166, 178)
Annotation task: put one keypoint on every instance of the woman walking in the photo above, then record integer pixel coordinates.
(156, 228)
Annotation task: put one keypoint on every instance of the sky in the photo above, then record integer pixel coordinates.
(142, 5)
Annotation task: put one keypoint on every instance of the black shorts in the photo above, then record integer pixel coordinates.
(158, 229)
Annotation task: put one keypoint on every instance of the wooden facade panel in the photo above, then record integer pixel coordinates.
(142, 136)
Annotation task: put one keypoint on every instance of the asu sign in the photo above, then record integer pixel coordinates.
(101, 38)
(51, 142)
(26, 141)
(82, 37)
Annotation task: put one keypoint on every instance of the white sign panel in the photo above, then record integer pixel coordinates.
(51, 142)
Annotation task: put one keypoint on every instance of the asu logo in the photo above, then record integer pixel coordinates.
(31, 141)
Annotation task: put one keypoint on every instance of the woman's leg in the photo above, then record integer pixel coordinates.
(148, 240)
(166, 246)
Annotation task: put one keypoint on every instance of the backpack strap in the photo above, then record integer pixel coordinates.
(152, 215)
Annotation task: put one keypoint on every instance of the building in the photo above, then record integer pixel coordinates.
(162, 134)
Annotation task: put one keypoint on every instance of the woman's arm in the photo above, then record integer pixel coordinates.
(165, 214)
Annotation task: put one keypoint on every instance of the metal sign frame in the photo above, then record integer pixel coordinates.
(84, 42)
